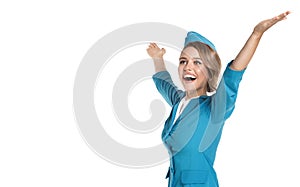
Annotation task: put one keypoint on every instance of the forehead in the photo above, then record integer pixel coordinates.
(190, 52)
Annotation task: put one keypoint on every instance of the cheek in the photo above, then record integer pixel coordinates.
(180, 70)
(202, 72)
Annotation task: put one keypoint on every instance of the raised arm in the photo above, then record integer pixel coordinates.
(157, 54)
(245, 55)
(162, 78)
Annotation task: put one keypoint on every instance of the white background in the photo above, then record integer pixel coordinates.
(42, 44)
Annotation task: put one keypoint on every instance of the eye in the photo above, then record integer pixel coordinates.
(182, 62)
(197, 62)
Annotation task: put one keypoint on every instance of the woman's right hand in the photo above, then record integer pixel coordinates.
(155, 52)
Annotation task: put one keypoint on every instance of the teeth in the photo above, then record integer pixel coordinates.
(189, 77)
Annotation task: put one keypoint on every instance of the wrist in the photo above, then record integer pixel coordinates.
(257, 34)
(157, 58)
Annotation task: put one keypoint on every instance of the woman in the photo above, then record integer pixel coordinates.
(193, 130)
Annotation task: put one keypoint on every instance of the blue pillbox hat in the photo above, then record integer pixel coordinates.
(196, 37)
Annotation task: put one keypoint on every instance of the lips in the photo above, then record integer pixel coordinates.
(189, 77)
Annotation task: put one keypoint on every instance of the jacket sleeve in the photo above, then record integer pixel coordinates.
(222, 105)
(232, 79)
(166, 87)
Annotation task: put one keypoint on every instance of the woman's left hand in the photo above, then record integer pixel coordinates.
(266, 24)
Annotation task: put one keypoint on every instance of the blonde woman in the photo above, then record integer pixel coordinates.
(192, 132)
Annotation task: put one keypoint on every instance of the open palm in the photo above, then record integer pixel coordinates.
(154, 51)
(266, 24)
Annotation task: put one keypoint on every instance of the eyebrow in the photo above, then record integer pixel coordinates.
(196, 58)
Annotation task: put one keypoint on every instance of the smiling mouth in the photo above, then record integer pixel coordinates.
(189, 77)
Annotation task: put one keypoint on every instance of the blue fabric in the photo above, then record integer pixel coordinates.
(193, 138)
(196, 37)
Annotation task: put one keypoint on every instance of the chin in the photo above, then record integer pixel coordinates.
(190, 88)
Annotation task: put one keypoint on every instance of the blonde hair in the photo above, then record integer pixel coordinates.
(211, 61)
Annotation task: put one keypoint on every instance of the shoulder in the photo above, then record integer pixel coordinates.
(233, 74)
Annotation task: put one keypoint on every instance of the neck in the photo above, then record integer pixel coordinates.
(194, 93)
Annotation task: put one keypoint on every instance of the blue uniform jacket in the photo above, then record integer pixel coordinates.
(193, 138)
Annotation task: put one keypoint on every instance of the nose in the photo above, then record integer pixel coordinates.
(188, 65)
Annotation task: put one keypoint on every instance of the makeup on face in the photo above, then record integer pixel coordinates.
(192, 71)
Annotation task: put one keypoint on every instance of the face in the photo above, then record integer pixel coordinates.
(192, 72)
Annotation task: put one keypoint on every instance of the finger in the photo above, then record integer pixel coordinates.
(282, 16)
(155, 45)
(286, 13)
(151, 45)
